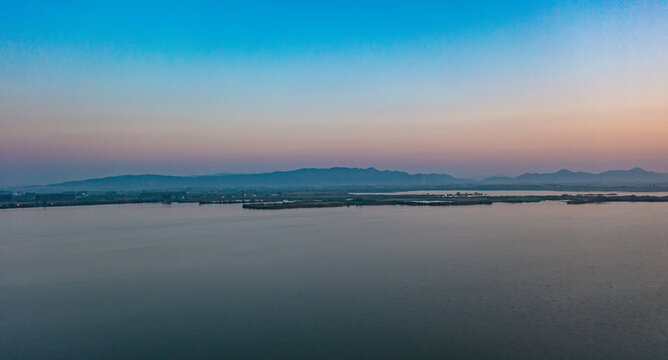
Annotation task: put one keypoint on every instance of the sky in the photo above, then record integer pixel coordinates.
(468, 88)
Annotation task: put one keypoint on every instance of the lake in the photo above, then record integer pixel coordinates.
(504, 281)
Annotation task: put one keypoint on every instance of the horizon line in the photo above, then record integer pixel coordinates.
(222, 174)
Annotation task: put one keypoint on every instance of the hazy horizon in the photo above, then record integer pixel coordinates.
(107, 173)
(471, 89)
(222, 173)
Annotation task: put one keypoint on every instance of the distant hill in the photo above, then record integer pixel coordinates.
(302, 178)
(635, 176)
(353, 177)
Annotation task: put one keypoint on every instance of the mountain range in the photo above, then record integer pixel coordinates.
(351, 177)
(635, 176)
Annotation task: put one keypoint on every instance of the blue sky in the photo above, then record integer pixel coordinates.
(468, 88)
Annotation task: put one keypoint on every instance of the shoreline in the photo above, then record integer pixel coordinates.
(280, 201)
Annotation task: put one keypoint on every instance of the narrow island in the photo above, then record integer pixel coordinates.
(277, 200)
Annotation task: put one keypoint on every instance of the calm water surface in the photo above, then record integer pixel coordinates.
(503, 281)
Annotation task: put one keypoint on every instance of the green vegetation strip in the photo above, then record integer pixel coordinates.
(262, 200)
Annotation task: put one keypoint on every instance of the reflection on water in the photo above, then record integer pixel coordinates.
(505, 281)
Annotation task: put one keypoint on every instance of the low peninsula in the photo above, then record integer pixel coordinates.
(277, 200)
